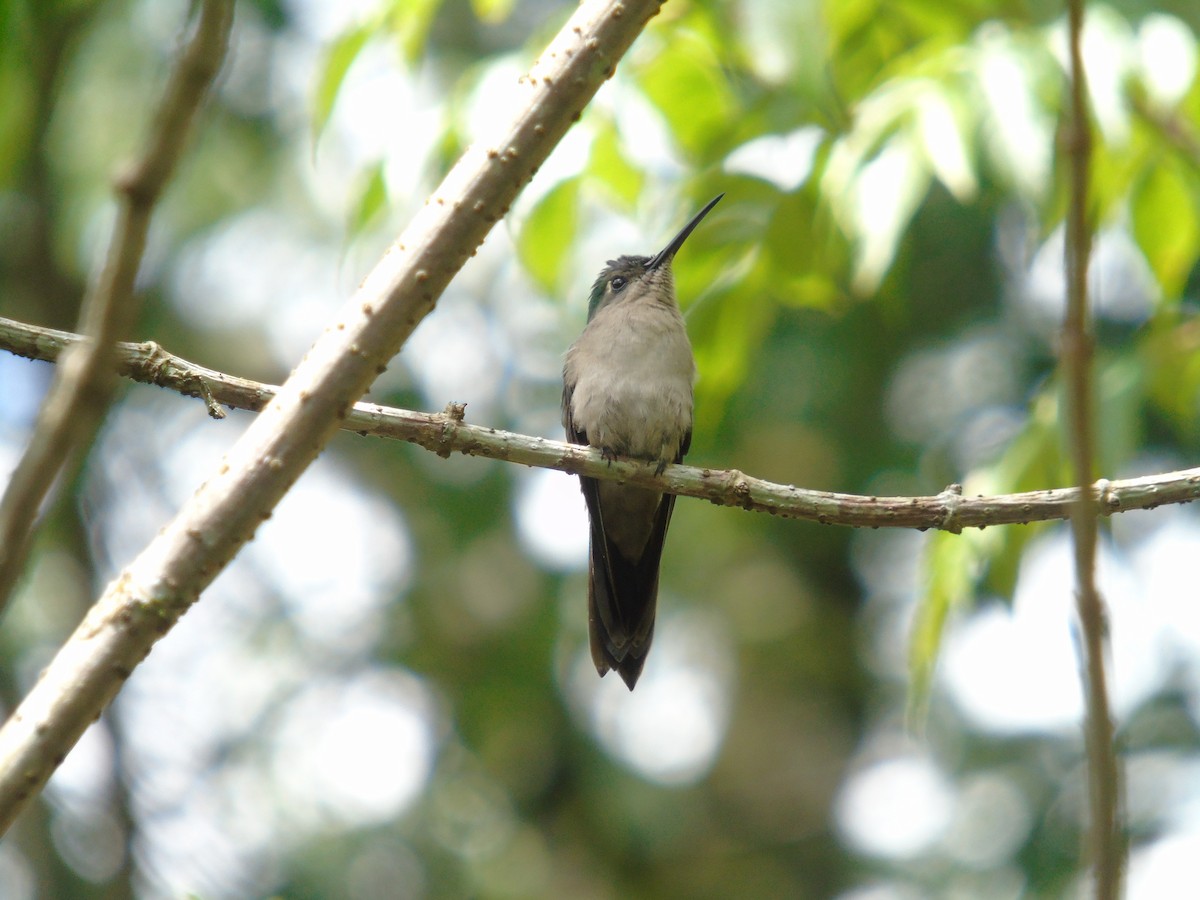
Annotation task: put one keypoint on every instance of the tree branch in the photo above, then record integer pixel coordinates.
(445, 433)
(150, 595)
(1174, 128)
(84, 384)
(1104, 776)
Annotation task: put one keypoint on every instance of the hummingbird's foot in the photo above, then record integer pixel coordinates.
(608, 454)
(661, 467)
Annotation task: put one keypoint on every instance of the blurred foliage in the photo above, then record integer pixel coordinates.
(873, 308)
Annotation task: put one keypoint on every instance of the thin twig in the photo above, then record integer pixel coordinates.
(1176, 129)
(84, 385)
(1105, 844)
(447, 432)
(150, 595)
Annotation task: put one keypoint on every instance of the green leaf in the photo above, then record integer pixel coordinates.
(410, 20)
(1169, 355)
(16, 118)
(1120, 401)
(729, 309)
(372, 198)
(492, 11)
(1166, 223)
(687, 84)
(949, 565)
(338, 60)
(609, 165)
(798, 254)
(944, 125)
(548, 234)
(885, 195)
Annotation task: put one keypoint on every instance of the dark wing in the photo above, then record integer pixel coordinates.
(598, 563)
(575, 437)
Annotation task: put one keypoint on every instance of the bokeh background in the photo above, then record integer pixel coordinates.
(389, 694)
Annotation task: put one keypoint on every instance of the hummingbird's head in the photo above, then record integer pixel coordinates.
(632, 278)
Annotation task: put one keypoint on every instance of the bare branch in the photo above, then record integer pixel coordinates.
(1104, 776)
(83, 387)
(1174, 128)
(150, 595)
(447, 432)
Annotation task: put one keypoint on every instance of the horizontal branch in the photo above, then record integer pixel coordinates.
(446, 432)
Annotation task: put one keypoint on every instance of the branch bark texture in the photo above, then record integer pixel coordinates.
(448, 432)
(150, 595)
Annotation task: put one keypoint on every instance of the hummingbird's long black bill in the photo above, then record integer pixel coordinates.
(668, 252)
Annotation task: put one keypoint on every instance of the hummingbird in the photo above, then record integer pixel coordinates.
(627, 390)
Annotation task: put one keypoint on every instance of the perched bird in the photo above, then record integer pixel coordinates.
(627, 390)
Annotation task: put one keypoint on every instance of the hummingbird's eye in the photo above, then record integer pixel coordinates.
(617, 283)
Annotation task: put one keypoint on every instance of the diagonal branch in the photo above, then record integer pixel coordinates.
(84, 384)
(150, 595)
(447, 432)
(1175, 128)
(1106, 848)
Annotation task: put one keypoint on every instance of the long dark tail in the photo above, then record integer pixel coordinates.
(623, 594)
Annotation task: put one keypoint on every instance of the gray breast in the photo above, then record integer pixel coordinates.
(633, 371)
